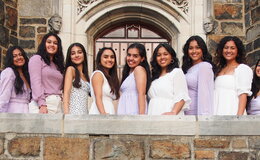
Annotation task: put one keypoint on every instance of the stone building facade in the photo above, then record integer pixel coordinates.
(24, 22)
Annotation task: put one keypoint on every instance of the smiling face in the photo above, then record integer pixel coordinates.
(51, 45)
(133, 58)
(257, 70)
(107, 59)
(18, 58)
(230, 51)
(195, 52)
(163, 58)
(76, 55)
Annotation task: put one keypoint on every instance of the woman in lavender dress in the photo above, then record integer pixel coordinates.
(253, 107)
(15, 82)
(46, 73)
(135, 82)
(198, 68)
(104, 83)
(168, 92)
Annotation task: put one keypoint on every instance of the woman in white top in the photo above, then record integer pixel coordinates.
(168, 92)
(104, 83)
(233, 81)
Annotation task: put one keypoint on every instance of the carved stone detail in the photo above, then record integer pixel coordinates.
(181, 4)
(83, 4)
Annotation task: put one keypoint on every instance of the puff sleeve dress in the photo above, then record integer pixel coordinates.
(166, 91)
(229, 87)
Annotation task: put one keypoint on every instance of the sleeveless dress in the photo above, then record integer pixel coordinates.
(229, 87)
(254, 106)
(107, 97)
(166, 91)
(79, 98)
(128, 102)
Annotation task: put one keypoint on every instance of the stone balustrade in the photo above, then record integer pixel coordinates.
(36, 136)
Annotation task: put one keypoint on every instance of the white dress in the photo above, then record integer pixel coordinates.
(79, 98)
(107, 97)
(166, 91)
(228, 88)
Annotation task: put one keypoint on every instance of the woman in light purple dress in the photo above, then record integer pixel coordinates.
(46, 73)
(135, 82)
(15, 82)
(198, 68)
(253, 107)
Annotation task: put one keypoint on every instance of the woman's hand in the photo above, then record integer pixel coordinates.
(43, 109)
(169, 113)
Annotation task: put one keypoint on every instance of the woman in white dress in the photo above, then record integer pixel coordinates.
(168, 92)
(104, 83)
(233, 81)
(76, 81)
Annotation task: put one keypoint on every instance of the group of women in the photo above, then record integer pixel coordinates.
(44, 84)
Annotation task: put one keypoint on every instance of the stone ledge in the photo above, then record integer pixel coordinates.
(138, 125)
(129, 125)
(30, 123)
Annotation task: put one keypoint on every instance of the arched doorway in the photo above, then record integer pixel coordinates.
(121, 36)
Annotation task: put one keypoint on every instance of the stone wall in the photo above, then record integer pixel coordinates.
(8, 26)
(229, 18)
(252, 25)
(66, 137)
(23, 23)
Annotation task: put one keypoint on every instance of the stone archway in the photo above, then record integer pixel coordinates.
(175, 18)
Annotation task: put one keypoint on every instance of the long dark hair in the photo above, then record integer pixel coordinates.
(9, 62)
(112, 76)
(255, 87)
(58, 58)
(156, 69)
(220, 61)
(144, 63)
(206, 57)
(76, 82)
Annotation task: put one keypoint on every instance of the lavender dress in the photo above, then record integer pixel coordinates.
(200, 81)
(254, 107)
(10, 101)
(128, 102)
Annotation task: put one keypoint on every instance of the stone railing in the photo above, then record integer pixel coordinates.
(35, 136)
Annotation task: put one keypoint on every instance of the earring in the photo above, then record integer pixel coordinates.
(172, 61)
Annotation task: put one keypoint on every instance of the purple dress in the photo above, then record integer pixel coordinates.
(254, 107)
(128, 102)
(200, 80)
(10, 101)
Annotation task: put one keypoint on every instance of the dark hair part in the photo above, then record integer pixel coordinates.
(255, 87)
(112, 76)
(187, 61)
(156, 68)
(9, 62)
(58, 58)
(69, 62)
(220, 61)
(144, 64)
